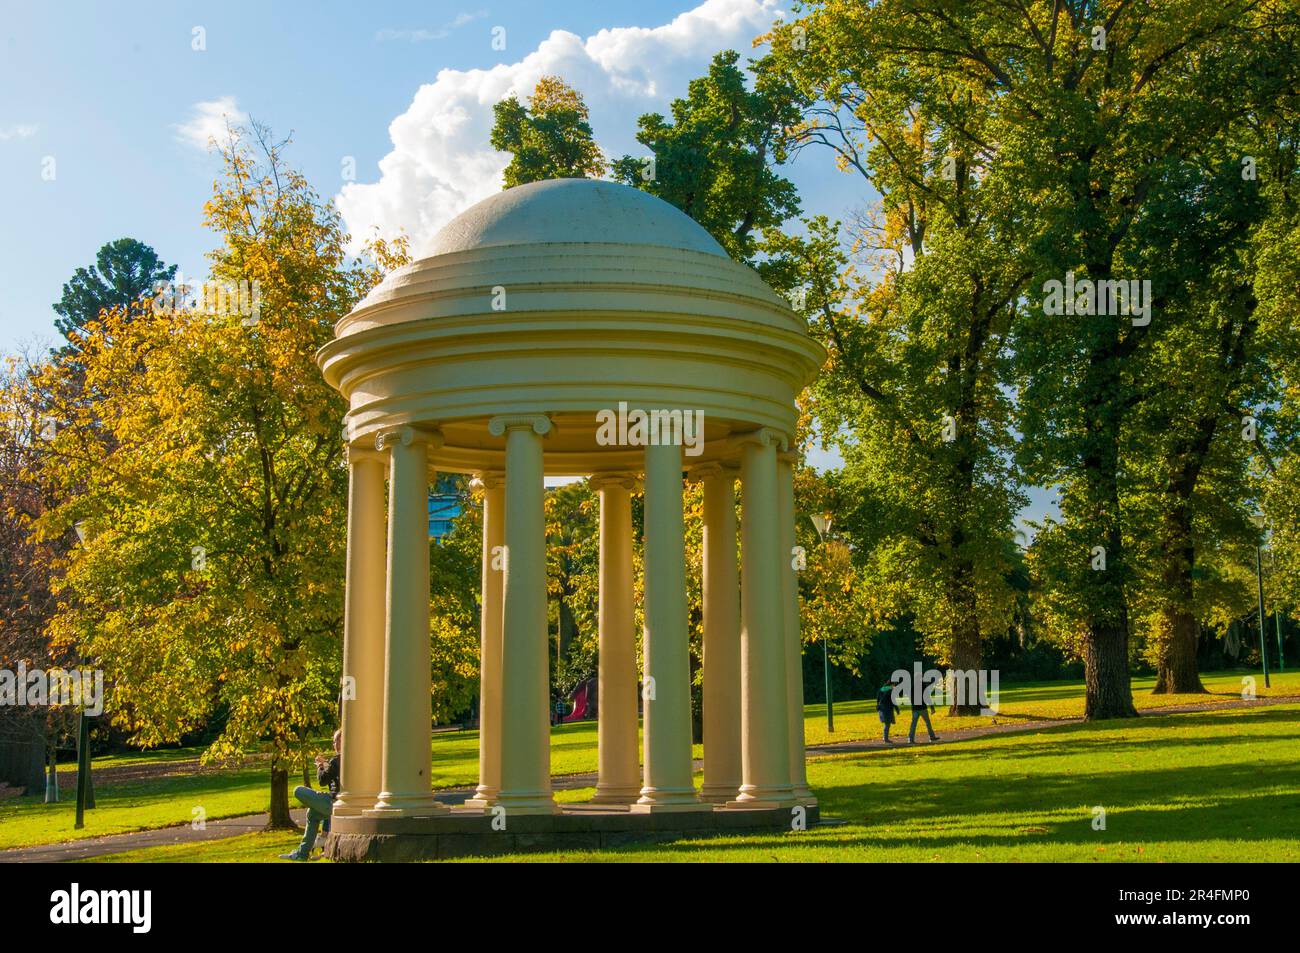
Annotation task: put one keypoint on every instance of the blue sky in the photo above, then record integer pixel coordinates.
(119, 98)
(105, 90)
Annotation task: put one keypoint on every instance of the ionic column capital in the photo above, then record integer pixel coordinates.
(489, 480)
(763, 437)
(360, 453)
(626, 479)
(711, 471)
(540, 424)
(406, 436)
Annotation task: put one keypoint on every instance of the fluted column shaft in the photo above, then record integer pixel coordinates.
(362, 752)
(408, 714)
(668, 784)
(721, 596)
(490, 614)
(793, 639)
(619, 777)
(765, 732)
(525, 696)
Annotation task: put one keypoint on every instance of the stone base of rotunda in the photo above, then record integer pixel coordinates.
(469, 832)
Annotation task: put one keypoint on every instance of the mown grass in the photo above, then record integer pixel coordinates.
(171, 798)
(1213, 786)
(1039, 701)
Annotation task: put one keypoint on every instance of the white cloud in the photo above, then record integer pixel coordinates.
(18, 131)
(421, 36)
(208, 121)
(441, 163)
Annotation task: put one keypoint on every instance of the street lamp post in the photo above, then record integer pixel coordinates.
(1258, 520)
(822, 523)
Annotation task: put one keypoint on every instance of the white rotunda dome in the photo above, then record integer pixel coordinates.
(571, 211)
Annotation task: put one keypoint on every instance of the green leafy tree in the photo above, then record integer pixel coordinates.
(1110, 102)
(715, 157)
(208, 470)
(918, 328)
(125, 271)
(549, 138)
(455, 590)
(1191, 437)
(1276, 255)
(573, 581)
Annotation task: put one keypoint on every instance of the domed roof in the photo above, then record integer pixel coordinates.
(571, 211)
(569, 297)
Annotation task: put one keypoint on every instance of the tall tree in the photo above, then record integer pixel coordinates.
(27, 567)
(716, 158)
(124, 272)
(1110, 101)
(210, 581)
(549, 138)
(918, 329)
(1276, 255)
(1192, 436)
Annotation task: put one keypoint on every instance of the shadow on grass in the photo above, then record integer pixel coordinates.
(1105, 743)
(1029, 812)
(1016, 805)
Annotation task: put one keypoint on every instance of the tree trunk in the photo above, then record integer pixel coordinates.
(1108, 691)
(52, 779)
(1176, 671)
(280, 819)
(966, 653)
(965, 650)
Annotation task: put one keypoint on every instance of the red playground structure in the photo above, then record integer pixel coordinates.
(584, 702)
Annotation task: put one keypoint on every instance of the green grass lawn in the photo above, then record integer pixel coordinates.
(1217, 786)
(1039, 701)
(172, 798)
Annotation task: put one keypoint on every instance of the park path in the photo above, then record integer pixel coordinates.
(214, 830)
(250, 823)
(1011, 724)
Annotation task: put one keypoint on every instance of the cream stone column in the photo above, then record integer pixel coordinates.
(490, 687)
(408, 717)
(721, 585)
(793, 640)
(668, 785)
(619, 778)
(362, 753)
(765, 731)
(525, 690)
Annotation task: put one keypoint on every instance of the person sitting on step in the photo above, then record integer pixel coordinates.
(319, 804)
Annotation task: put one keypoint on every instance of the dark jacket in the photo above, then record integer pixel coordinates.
(328, 776)
(919, 701)
(885, 704)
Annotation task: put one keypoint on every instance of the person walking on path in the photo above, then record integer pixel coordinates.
(319, 804)
(885, 708)
(923, 692)
(921, 710)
